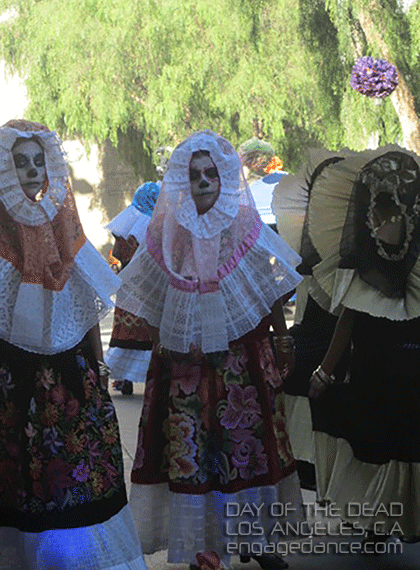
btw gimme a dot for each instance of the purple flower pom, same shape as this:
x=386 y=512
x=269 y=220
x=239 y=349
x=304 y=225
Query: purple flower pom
x=374 y=77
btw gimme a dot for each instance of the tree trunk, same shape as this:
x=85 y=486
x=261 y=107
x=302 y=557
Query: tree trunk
x=401 y=98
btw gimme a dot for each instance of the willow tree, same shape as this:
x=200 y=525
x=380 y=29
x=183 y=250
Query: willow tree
x=382 y=29
x=96 y=68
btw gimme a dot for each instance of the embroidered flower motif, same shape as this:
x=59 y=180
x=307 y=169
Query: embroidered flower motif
x=179 y=426
x=81 y=473
x=57 y=478
x=182 y=467
x=110 y=474
x=268 y=364
x=97 y=483
x=94 y=452
x=59 y=395
x=81 y=361
x=46 y=377
x=30 y=432
x=111 y=434
x=236 y=361
x=92 y=377
x=32 y=406
x=88 y=388
x=6 y=381
x=240 y=434
x=184 y=377
x=249 y=458
x=243 y=410
x=108 y=410
x=49 y=416
x=35 y=468
x=283 y=443
x=52 y=440
x=72 y=408
x=181 y=449
x=74 y=443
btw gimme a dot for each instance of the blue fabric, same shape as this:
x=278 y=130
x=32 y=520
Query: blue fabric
x=145 y=197
x=274 y=177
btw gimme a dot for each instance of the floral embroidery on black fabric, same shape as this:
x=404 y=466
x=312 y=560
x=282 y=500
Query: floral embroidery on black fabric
x=73 y=450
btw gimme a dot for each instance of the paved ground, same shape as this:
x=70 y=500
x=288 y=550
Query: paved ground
x=331 y=553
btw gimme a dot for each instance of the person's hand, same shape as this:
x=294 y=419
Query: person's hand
x=320 y=381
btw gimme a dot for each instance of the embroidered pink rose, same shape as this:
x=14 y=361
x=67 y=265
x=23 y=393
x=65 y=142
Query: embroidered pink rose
x=182 y=467
x=268 y=364
x=249 y=457
x=184 y=377
x=243 y=410
x=235 y=362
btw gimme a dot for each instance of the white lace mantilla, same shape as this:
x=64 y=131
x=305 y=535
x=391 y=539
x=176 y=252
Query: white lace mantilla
x=176 y=180
x=49 y=322
x=17 y=204
x=211 y=320
x=129 y=222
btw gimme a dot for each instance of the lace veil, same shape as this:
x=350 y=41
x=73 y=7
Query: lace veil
x=54 y=285
x=206 y=279
x=340 y=238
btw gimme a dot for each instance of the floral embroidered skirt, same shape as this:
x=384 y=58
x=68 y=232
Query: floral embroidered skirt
x=130 y=347
x=61 y=467
x=212 y=433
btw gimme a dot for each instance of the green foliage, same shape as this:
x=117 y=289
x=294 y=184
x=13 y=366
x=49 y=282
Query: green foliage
x=99 y=68
x=95 y=68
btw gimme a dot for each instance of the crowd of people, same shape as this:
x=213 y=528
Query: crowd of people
x=199 y=319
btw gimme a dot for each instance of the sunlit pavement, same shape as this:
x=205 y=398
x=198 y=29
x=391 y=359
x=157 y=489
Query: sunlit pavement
x=324 y=551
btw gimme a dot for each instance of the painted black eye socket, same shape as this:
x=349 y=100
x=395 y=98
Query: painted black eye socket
x=194 y=174
x=211 y=172
x=21 y=160
x=39 y=160
x=208 y=172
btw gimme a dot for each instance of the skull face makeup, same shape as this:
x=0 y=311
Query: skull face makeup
x=28 y=156
x=394 y=202
x=205 y=182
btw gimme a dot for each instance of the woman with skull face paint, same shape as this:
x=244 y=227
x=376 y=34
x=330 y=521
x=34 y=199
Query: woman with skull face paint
x=62 y=496
x=209 y=280
x=364 y=223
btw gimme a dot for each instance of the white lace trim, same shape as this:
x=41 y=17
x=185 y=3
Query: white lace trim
x=128 y=363
x=176 y=181
x=60 y=319
x=210 y=320
x=17 y=204
x=187 y=524
x=111 y=545
x=129 y=222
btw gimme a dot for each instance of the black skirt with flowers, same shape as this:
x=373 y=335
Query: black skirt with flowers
x=60 y=453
